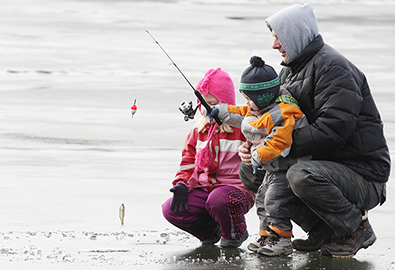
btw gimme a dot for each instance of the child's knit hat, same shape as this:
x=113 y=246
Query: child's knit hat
x=218 y=83
x=260 y=83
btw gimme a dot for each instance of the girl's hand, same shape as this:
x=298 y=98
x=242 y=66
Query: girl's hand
x=180 y=198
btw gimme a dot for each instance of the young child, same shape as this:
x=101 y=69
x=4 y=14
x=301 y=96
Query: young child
x=270 y=116
x=209 y=199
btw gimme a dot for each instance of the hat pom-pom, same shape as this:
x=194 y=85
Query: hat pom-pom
x=256 y=61
x=203 y=159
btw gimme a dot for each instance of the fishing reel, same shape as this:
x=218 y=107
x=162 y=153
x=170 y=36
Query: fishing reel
x=187 y=109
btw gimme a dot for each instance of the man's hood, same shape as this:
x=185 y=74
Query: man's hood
x=295 y=26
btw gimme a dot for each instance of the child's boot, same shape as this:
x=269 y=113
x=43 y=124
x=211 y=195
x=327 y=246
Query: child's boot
x=278 y=243
x=260 y=242
x=214 y=238
x=225 y=243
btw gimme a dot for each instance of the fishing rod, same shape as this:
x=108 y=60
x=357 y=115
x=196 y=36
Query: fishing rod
x=187 y=108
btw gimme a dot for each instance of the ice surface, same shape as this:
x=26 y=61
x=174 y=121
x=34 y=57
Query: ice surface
x=70 y=153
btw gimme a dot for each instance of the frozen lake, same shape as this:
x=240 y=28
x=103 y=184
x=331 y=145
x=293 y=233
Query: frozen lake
x=70 y=152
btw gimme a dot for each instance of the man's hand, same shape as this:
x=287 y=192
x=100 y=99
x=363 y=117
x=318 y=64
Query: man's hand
x=244 y=152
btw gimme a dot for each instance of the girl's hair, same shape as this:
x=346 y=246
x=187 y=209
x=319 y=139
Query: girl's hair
x=203 y=121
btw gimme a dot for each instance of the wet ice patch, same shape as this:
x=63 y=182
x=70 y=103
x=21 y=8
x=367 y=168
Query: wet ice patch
x=92 y=248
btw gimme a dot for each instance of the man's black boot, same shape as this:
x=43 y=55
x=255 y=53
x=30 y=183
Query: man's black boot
x=319 y=235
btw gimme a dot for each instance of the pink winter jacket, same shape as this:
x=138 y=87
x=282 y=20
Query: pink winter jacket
x=224 y=170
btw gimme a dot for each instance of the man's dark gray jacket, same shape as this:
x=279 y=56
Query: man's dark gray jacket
x=345 y=124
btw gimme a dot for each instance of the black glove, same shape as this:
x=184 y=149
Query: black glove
x=180 y=198
x=213 y=113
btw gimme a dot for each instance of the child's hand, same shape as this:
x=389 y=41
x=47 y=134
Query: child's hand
x=180 y=198
x=213 y=113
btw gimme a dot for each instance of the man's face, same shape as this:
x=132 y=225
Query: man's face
x=278 y=46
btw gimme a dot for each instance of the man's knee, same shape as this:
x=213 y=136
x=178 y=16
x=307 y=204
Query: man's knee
x=297 y=177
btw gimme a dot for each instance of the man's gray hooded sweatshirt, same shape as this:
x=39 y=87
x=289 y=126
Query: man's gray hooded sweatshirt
x=345 y=125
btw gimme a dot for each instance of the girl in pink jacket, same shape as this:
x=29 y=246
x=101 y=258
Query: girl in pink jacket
x=209 y=200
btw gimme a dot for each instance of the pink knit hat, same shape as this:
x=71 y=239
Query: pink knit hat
x=218 y=83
